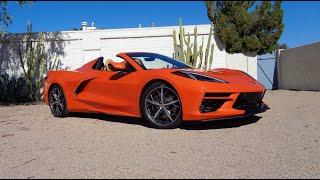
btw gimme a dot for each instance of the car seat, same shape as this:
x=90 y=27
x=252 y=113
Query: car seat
x=117 y=66
x=99 y=64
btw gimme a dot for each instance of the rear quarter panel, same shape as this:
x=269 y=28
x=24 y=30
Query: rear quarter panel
x=68 y=81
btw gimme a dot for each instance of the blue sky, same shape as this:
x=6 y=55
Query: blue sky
x=302 y=19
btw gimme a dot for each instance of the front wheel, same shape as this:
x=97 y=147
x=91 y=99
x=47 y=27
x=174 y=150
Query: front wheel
x=161 y=106
x=57 y=102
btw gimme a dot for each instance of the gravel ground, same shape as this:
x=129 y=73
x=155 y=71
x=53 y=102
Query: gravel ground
x=282 y=142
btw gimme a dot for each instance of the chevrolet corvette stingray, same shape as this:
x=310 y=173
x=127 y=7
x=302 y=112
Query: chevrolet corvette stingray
x=160 y=89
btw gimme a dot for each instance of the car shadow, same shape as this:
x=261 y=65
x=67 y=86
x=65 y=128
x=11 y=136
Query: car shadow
x=220 y=124
x=193 y=125
x=110 y=118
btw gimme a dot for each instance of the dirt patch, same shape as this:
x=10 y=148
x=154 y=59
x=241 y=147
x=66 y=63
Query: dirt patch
x=7 y=135
x=282 y=142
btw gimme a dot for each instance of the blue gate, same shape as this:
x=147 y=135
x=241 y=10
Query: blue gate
x=267 y=70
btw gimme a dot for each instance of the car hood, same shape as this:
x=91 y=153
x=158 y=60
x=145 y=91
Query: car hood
x=229 y=75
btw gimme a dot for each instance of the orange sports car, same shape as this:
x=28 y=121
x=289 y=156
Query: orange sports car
x=161 y=90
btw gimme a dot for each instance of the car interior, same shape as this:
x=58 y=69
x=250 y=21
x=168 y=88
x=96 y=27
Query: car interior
x=110 y=65
x=99 y=64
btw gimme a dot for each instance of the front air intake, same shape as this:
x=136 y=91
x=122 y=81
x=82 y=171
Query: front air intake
x=212 y=101
x=248 y=101
x=209 y=105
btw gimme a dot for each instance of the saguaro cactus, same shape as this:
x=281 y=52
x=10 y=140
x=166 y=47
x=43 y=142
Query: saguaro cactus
x=206 y=61
x=211 y=57
x=193 y=53
x=175 y=46
x=200 y=54
x=181 y=45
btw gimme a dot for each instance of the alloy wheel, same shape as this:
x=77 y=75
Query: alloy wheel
x=162 y=106
x=57 y=102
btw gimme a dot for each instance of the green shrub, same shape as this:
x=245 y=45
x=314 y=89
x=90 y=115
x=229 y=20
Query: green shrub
x=14 y=90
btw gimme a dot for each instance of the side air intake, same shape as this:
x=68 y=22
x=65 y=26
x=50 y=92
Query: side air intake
x=82 y=86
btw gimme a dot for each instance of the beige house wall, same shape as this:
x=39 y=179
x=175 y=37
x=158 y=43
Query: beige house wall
x=299 y=68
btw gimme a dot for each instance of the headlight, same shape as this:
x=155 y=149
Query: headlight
x=199 y=77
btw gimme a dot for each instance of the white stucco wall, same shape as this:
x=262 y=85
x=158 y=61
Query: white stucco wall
x=83 y=46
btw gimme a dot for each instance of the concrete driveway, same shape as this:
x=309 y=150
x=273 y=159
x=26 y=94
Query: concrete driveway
x=282 y=142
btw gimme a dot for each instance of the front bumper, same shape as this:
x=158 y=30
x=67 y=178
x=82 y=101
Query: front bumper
x=262 y=108
x=230 y=114
x=230 y=108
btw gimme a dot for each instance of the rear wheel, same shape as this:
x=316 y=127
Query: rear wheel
x=57 y=102
x=161 y=106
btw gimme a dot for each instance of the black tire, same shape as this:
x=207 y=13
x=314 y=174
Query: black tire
x=57 y=102
x=165 y=115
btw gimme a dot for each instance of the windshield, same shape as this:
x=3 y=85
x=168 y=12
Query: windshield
x=156 y=61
